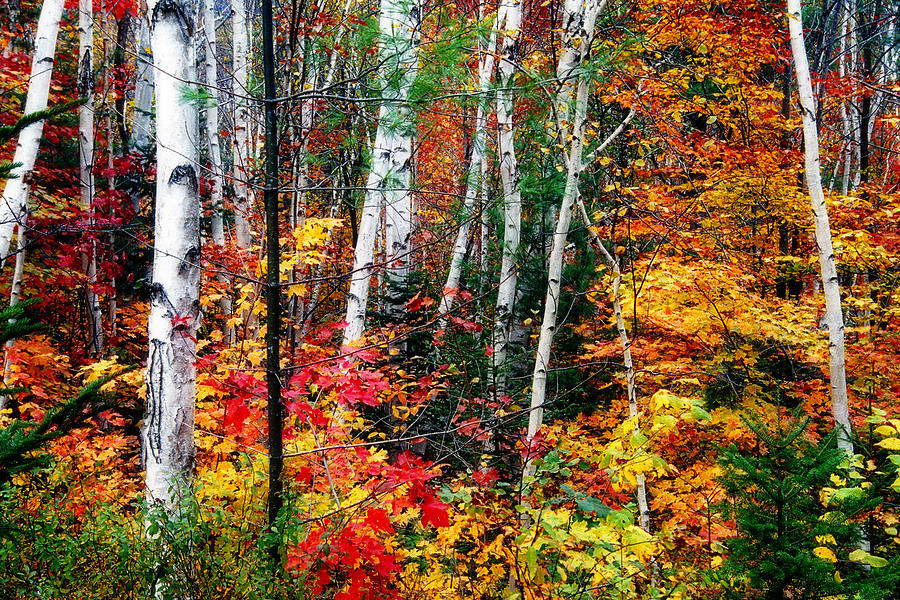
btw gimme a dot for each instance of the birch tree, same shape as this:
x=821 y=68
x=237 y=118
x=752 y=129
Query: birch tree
x=14 y=203
x=241 y=147
x=578 y=20
x=141 y=129
x=86 y=165
x=212 y=122
x=628 y=363
x=389 y=178
x=510 y=13
x=168 y=430
x=834 y=316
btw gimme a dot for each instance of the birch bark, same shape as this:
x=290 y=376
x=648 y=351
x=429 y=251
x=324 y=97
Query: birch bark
x=834 y=316
x=86 y=166
x=168 y=430
x=212 y=122
x=511 y=12
x=579 y=35
x=241 y=147
x=388 y=180
x=142 y=125
x=14 y=202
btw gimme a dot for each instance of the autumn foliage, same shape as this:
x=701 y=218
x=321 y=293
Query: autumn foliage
x=404 y=467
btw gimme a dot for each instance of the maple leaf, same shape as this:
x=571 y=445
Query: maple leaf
x=485 y=478
x=236 y=414
x=435 y=512
x=378 y=519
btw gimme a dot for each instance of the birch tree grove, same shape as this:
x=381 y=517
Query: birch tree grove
x=168 y=431
x=556 y=300
x=14 y=204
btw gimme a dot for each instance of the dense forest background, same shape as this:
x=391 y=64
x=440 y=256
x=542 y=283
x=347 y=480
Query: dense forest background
x=530 y=299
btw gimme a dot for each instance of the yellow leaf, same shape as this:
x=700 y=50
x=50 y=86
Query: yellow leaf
x=825 y=554
x=890 y=443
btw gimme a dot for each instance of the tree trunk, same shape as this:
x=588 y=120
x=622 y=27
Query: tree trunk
x=834 y=317
x=511 y=12
x=241 y=148
x=86 y=164
x=212 y=124
x=14 y=205
x=389 y=178
x=142 y=125
x=579 y=36
x=15 y=295
x=217 y=175
x=168 y=430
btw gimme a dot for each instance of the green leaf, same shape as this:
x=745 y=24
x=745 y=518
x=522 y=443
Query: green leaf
x=699 y=414
x=846 y=494
x=862 y=556
x=589 y=504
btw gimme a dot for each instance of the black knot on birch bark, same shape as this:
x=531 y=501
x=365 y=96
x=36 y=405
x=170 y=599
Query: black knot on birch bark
x=190 y=258
x=156 y=292
x=184 y=175
x=166 y=8
x=86 y=76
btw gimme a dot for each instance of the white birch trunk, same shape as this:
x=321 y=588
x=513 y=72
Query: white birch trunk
x=474 y=182
x=551 y=303
x=578 y=25
x=86 y=165
x=142 y=126
x=14 y=203
x=241 y=148
x=833 y=315
x=389 y=178
x=212 y=123
x=168 y=430
x=217 y=206
x=855 y=116
x=566 y=72
x=485 y=227
x=847 y=128
x=15 y=294
x=511 y=13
